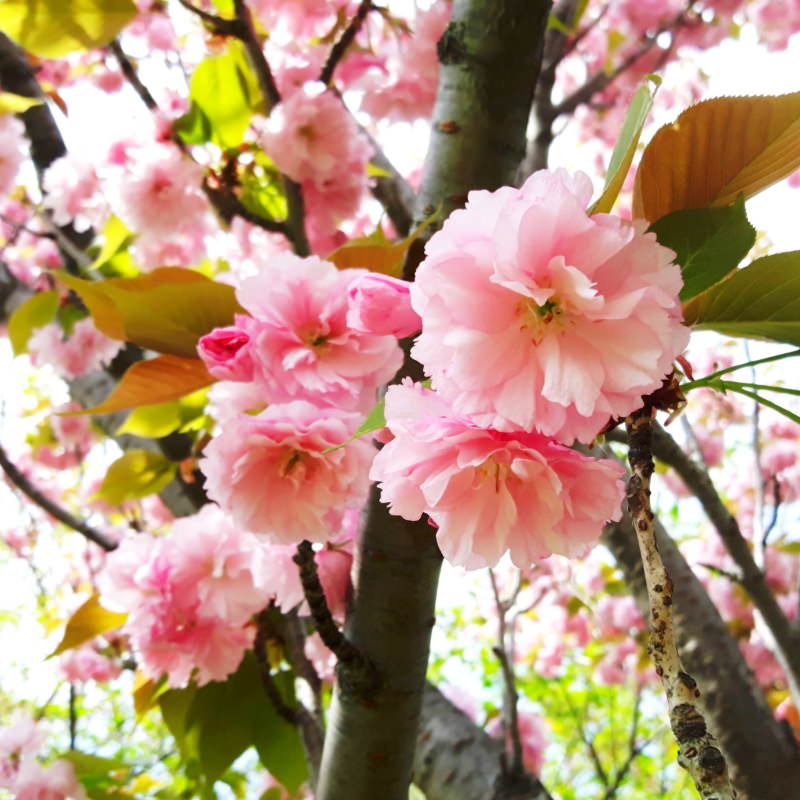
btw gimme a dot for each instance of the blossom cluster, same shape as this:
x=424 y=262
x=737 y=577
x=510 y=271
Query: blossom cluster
x=21 y=772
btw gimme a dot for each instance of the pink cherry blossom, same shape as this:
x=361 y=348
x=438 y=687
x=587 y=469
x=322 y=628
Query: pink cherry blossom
x=271 y=471
x=85 y=350
x=537 y=316
x=12 y=140
x=54 y=782
x=487 y=491
x=86 y=663
x=74 y=194
x=189 y=596
x=301 y=344
x=226 y=351
x=73 y=433
x=18 y=742
x=532 y=734
x=311 y=135
x=157 y=191
x=381 y=304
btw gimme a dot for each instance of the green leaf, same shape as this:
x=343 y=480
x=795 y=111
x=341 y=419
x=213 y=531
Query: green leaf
x=15 y=103
x=88 y=621
x=625 y=148
x=37 y=311
x=55 y=28
x=89 y=766
x=761 y=301
x=225 y=91
x=153 y=421
x=116 y=237
x=216 y=723
x=167 y=310
x=376 y=419
x=791 y=548
x=136 y=474
x=193 y=127
x=708 y=242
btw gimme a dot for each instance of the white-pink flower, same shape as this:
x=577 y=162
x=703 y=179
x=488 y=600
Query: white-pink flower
x=311 y=135
x=158 y=191
x=73 y=193
x=488 y=491
x=85 y=350
x=12 y=139
x=536 y=316
x=272 y=474
x=300 y=342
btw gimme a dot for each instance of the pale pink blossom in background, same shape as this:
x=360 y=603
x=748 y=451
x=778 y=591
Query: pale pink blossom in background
x=405 y=88
x=85 y=663
x=158 y=191
x=381 y=304
x=537 y=316
x=270 y=471
x=301 y=344
x=184 y=247
x=74 y=194
x=85 y=350
x=311 y=135
x=54 y=782
x=75 y=432
x=18 y=742
x=483 y=487
x=12 y=149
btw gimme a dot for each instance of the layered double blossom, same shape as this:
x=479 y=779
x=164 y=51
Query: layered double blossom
x=537 y=316
x=489 y=491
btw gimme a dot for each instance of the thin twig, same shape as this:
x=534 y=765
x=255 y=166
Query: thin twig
x=265 y=671
x=332 y=637
x=219 y=25
x=512 y=698
x=255 y=53
x=73 y=717
x=698 y=753
x=132 y=76
x=307 y=724
x=595 y=756
x=22 y=483
x=344 y=41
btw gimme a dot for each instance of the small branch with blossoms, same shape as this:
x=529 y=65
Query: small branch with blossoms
x=698 y=753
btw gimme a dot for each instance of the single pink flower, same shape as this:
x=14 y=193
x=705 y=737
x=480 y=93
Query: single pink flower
x=488 y=491
x=310 y=135
x=272 y=474
x=538 y=316
x=381 y=304
x=301 y=344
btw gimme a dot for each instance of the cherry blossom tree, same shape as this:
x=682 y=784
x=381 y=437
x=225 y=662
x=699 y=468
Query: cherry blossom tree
x=280 y=369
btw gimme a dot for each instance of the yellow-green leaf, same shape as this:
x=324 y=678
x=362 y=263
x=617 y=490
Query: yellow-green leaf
x=15 y=103
x=54 y=28
x=116 y=236
x=146 y=692
x=159 y=380
x=136 y=474
x=167 y=310
x=375 y=252
x=717 y=150
x=761 y=301
x=625 y=148
x=226 y=92
x=35 y=312
x=154 y=421
x=90 y=620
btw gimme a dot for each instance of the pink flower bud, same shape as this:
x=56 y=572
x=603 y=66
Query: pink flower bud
x=226 y=352
x=382 y=305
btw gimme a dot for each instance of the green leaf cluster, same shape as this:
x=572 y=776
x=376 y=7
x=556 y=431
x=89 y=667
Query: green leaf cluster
x=212 y=726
